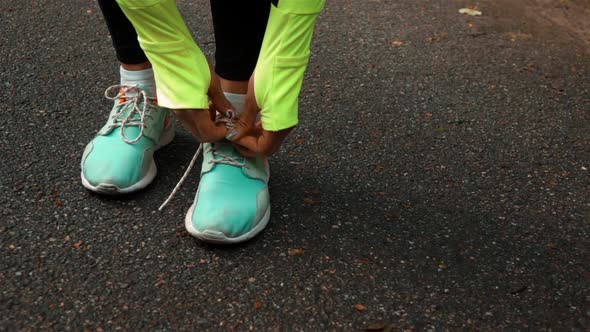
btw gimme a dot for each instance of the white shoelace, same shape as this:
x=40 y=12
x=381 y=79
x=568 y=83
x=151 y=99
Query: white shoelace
x=229 y=121
x=141 y=106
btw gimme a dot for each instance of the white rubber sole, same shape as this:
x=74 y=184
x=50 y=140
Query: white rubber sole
x=220 y=238
x=111 y=189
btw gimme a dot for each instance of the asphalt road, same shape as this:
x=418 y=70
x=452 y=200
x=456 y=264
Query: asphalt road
x=439 y=179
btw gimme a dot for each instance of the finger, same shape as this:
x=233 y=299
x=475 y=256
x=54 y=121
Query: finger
x=218 y=100
x=240 y=129
x=266 y=144
x=250 y=142
x=248 y=116
x=244 y=151
x=212 y=111
x=208 y=130
x=220 y=104
x=258 y=128
x=198 y=123
x=186 y=119
x=245 y=125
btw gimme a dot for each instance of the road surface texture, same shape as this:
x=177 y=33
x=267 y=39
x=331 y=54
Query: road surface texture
x=439 y=179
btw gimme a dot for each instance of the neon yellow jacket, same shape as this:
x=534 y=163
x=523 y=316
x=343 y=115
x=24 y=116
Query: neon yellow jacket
x=282 y=61
x=182 y=72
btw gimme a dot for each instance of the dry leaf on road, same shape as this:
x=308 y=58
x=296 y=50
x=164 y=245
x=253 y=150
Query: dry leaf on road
x=470 y=12
x=257 y=305
x=295 y=252
x=360 y=307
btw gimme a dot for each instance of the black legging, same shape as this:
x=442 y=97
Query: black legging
x=238 y=25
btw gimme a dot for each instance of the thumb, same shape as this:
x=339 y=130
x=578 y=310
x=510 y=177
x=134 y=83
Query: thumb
x=247 y=119
x=218 y=102
x=244 y=126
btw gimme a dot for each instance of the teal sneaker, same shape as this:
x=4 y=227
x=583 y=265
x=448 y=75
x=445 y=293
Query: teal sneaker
x=232 y=203
x=120 y=159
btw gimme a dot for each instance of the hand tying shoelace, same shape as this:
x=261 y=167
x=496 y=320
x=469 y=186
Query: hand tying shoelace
x=229 y=121
x=142 y=105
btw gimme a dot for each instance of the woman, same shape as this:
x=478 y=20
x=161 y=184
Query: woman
x=262 y=49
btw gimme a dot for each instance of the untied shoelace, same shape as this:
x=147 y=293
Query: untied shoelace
x=229 y=121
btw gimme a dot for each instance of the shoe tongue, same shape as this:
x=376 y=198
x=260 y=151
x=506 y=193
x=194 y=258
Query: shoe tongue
x=126 y=109
x=227 y=149
x=129 y=95
x=133 y=86
x=132 y=91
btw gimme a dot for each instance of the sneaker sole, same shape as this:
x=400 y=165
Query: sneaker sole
x=220 y=238
x=111 y=189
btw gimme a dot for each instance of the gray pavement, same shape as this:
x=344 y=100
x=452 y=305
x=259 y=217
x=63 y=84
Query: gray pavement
x=439 y=179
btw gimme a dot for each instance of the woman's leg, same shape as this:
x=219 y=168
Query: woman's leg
x=135 y=67
x=239 y=29
x=123 y=36
x=233 y=204
x=120 y=158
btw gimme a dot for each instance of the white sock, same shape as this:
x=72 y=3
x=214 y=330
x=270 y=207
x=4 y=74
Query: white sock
x=236 y=99
x=144 y=78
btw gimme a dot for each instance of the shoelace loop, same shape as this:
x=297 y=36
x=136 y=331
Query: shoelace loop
x=141 y=106
x=229 y=121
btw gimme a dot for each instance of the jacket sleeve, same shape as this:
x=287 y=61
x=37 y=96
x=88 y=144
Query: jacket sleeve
x=282 y=61
x=180 y=68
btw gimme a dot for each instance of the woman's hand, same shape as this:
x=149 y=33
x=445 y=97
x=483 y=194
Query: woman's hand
x=200 y=122
x=248 y=136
